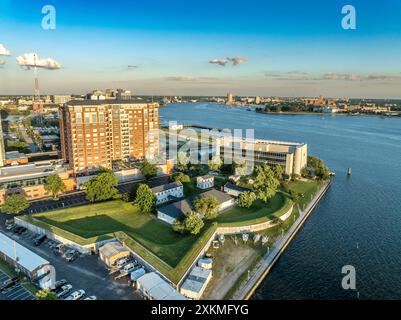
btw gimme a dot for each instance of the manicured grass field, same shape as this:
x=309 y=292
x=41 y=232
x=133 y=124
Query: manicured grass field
x=307 y=188
x=258 y=210
x=109 y=217
x=170 y=252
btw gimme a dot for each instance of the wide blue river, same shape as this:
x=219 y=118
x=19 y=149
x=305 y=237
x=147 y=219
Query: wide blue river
x=357 y=223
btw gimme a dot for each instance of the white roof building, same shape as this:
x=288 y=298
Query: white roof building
x=27 y=261
x=155 y=288
x=196 y=283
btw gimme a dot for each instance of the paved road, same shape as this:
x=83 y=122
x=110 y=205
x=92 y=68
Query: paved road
x=18 y=292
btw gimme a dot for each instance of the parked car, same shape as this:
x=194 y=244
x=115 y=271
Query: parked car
x=64 y=290
x=91 y=298
x=22 y=230
x=59 y=284
x=128 y=267
x=8 y=284
x=39 y=239
x=71 y=255
x=9 y=227
x=17 y=229
x=121 y=263
x=76 y=295
x=59 y=249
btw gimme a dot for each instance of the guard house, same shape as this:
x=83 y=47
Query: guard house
x=111 y=252
x=153 y=287
x=205 y=182
x=37 y=269
x=168 y=192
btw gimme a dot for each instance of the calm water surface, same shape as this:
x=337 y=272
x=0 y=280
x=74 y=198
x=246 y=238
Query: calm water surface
x=359 y=220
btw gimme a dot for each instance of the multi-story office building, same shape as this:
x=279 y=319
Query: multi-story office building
x=95 y=133
x=292 y=156
x=28 y=179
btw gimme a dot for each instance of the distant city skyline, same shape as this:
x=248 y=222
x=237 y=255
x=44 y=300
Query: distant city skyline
x=261 y=48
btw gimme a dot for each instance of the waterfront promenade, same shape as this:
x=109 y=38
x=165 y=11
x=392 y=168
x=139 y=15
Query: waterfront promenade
x=246 y=290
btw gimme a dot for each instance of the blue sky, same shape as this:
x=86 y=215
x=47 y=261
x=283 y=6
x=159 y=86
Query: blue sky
x=292 y=48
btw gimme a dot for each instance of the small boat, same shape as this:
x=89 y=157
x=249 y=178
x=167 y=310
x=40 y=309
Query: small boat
x=349 y=171
x=332 y=173
x=248 y=109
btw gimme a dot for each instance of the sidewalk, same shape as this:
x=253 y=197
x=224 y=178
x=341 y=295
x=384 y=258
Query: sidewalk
x=258 y=274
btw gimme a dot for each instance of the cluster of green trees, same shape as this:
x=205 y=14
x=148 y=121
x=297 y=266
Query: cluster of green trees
x=265 y=185
x=204 y=207
x=102 y=187
x=316 y=168
x=46 y=294
x=20 y=146
x=288 y=106
x=181 y=177
x=149 y=170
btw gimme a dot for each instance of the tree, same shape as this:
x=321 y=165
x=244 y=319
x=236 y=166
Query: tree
x=145 y=199
x=215 y=163
x=178 y=226
x=54 y=184
x=181 y=177
x=239 y=167
x=206 y=206
x=102 y=187
x=320 y=169
x=46 y=294
x=192 y=223
x=182 y=161
x=148 y=169
x=265 y=183
x=15 y=204
x=294 y=196
x=278 y=172
x=246 y=199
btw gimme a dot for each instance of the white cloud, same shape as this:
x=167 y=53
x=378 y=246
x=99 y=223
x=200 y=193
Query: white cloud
x=32 y=60
x=4 y=51
x=237 y=60
x=220 y=62
x=341 y=76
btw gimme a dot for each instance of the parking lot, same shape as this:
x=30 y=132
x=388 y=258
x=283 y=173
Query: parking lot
x=79 y=198
x=85 y=272
x=17 y=292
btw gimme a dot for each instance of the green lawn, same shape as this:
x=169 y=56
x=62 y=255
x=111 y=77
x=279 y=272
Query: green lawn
x=306 y=188
x=258 y=211
x=155 y=241
x=109 y=217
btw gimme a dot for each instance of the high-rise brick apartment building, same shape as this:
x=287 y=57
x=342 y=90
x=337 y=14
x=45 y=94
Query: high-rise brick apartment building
x=95 y=133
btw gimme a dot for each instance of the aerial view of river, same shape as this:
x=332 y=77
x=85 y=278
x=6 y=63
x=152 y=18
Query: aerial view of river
x=357 y=223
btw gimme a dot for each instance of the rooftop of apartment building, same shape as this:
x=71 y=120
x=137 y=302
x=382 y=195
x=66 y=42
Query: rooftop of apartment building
x=107 y=102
